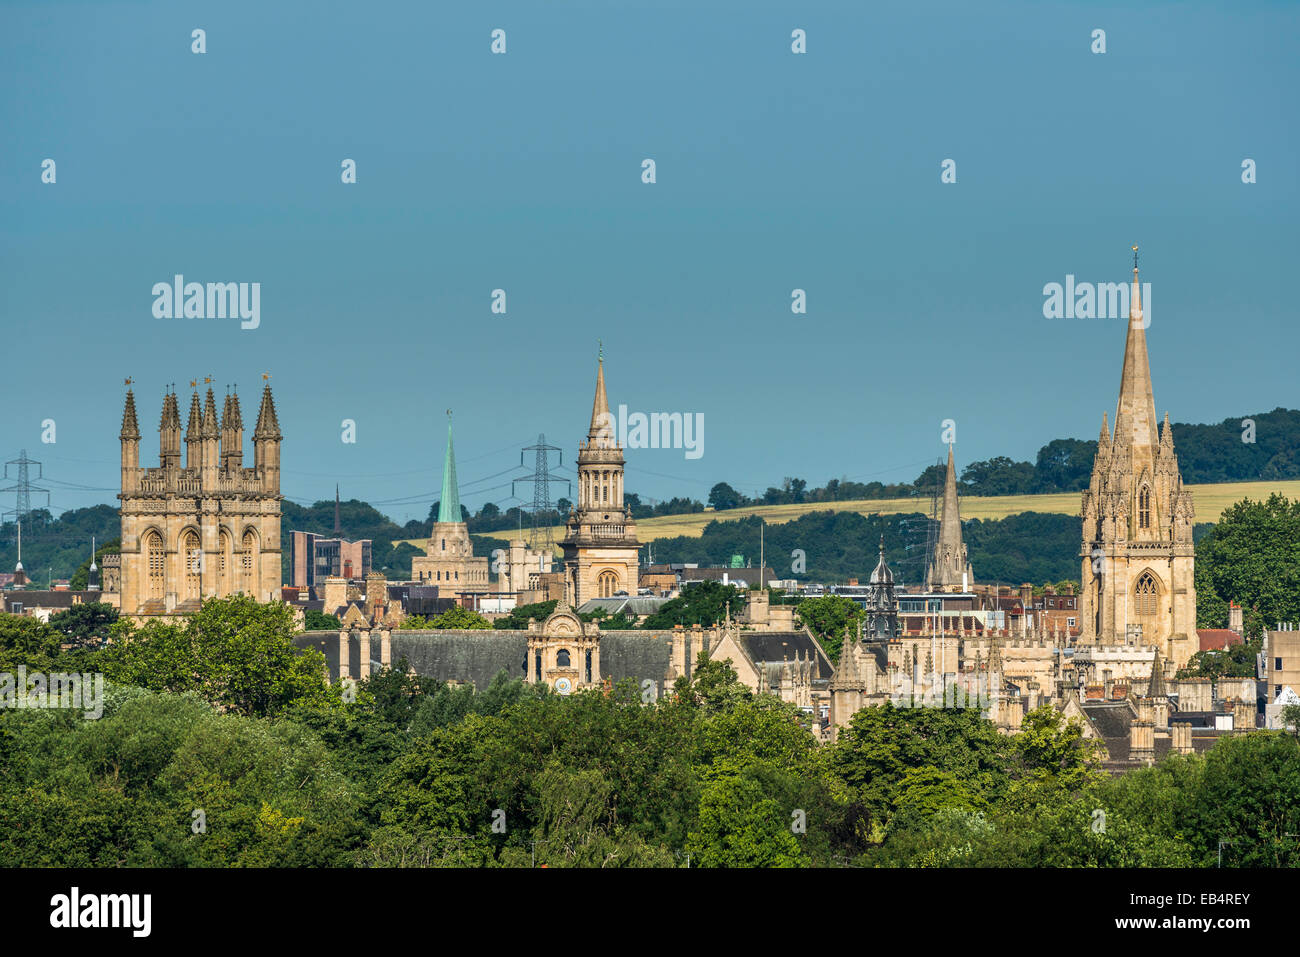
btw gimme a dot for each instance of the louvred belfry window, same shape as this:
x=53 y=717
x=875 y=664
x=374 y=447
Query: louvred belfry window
x=1145 y=594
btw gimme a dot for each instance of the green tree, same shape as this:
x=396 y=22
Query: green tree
x=235 y=652
x=827 y=617
x=88 y=624
x=1252 y=556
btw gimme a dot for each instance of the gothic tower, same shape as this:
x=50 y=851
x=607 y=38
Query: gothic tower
x=948 y=569
x=208 y=529
x=1137 y=550
x=449 y=560
x=600 y=544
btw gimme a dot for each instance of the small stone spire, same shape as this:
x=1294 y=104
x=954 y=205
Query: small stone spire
x=1156 y=687
x=268 y=425
x=948 y=562
x=130 y=426
x=194 y=427
x=601 y=432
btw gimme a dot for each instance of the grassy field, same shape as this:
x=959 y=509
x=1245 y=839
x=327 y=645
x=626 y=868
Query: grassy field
x=1210 y=501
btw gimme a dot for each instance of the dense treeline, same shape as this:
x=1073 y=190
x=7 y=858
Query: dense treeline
x=219 y=745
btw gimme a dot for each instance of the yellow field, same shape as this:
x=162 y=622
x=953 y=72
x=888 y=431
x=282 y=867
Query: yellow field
x=1210 y=501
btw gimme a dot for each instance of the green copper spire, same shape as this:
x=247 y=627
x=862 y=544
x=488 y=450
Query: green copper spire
x=449 y=509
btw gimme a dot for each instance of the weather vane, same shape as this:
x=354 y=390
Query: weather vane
x=128 y=380
x=1135 y=257
x=207 y=380
x=266 y=376
x=194 y=383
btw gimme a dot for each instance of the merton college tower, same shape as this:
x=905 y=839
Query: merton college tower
x=208 y=528
x=1137 y=555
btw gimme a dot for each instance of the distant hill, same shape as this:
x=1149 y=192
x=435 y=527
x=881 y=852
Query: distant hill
x=1209 y=500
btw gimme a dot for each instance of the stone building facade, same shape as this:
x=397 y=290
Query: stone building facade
x=209 y=528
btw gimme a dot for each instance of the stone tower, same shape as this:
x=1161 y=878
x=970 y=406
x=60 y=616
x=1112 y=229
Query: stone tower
x=1137 y=550
x=600 y=544
x=208 y=529
x=449 y=560
x=948 y=569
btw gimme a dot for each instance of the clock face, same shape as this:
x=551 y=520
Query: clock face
x=563 y=685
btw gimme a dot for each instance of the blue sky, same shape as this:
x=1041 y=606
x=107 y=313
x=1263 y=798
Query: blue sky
x=523 y=172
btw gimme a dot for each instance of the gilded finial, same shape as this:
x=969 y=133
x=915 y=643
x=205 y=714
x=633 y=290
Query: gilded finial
x=194 y=383
x=129 y=380
x=1135 y=259
x=207 y=380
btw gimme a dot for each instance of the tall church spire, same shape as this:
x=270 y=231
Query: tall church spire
x=449 y=509
x=1135 y=414
x=948 y=564
x=601 y=432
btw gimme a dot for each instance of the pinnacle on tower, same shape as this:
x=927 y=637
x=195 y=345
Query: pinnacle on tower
x=171 y=413
x=194 y=427
x=449 y=507
x=130 y=427
x=210 y=428
x=1156 y=687
x=268 y=426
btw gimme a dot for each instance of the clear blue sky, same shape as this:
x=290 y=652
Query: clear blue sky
x=522 y=171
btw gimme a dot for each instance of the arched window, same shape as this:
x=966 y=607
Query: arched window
x=249 y=563
x=606 y=584
x=193 y=557
x=1145 y=594
x=562 y=658
x=223 y=563
x=1144 y=507
x=157 y=565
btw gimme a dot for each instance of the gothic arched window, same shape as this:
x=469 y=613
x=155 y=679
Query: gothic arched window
x=157 y=563
x=1144 y=507
x=562 y=658
x=606 y=584
x=249 y=564
x=193 y=556
x=1145 y=594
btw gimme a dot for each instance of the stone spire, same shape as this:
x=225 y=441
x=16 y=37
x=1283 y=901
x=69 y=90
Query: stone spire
x=1156 y=687
x=1135 y=414
x=268 y=426
x=601 y=433
x=130 y=426
x=169 y=432
x=232 y=434
x=194 y=426
x=449 y=508
x=948 y=562
x=211 y=428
